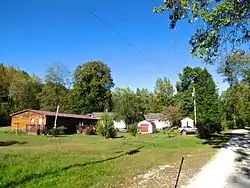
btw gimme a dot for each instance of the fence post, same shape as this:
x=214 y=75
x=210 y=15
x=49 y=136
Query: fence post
x=176 y=184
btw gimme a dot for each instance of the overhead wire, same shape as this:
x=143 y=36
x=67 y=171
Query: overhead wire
x=129 y=43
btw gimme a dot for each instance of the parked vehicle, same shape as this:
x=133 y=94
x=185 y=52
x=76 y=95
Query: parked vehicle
x=187 y=130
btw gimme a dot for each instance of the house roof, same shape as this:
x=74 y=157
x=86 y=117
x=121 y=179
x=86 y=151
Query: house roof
x=98 y=115
x=153 y=116
x=49 y=113
x=187 y=118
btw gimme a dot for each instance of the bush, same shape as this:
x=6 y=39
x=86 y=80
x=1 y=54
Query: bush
x=133 y=129
x=173 y=132
x=57 y=131
x=205 y=130
x=90 y=131
x=105 y=127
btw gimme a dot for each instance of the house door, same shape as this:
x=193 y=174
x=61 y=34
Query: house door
x=144 y=128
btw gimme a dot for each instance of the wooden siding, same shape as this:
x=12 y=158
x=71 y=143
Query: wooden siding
x=20 y=121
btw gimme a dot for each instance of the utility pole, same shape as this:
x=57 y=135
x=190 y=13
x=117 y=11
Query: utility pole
x=193 y=95
x=57 y=109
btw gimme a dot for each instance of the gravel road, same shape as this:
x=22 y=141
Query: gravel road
x=229 y=168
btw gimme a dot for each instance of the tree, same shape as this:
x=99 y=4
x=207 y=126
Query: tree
x=235 y=68
x=127 y=106
x=206 y=96
x=24 y=90
x=105 y=127
x=236 y=100
x=172 y=113
x=92 y=87
x=54 y=91
x=59 y=74
x=18 y=90
x=164 y=92
x=146 y=100
x=224 y=22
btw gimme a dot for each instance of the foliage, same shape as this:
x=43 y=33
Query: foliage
x=173 y=132
x=18 y=90
x=57 y=131
x=92 y=87
x=236 y=100
x=172 y=113
x=90 y=131
x=54 y=91
x=58 y=74
x=164 y=92
x=127 y=106
x=52 y=95
x=23 y=91
x=105 y=127
x=235 y=68
x=206 y=96
x=133 y=129
x=147 y=100
x=223 y=22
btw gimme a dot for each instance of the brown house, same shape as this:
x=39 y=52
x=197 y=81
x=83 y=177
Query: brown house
x=37 y=121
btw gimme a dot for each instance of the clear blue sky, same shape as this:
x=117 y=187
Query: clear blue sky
x=36 y=34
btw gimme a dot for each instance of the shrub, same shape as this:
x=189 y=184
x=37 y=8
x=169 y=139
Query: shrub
x=90 y=131
x=57 y=131
x=133 y=129
x=206 y=129
x=105 y=127
x=173 y=132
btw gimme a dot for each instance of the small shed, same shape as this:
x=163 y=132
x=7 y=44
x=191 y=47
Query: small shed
x=187 y=123
x=146 y=127
x=159 y=120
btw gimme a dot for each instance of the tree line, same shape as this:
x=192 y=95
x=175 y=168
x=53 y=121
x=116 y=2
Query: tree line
x=89 y=89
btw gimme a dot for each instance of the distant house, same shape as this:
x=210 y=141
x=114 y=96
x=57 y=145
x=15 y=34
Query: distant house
x=146 y=127
x=36 y=121
x=120 y=125
x=158 y=119
x=187 y=123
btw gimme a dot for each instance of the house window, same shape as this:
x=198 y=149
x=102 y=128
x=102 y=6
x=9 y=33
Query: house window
x=187 y=123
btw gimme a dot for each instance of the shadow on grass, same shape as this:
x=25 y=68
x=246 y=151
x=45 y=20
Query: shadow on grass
x=222 y=140
x=31 y=177
x=218 y=141
x=12 y=142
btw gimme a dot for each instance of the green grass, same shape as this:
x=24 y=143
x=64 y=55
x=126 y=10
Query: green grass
x=91 y=161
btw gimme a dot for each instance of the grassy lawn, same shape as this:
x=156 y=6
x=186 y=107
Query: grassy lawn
x=91 y=161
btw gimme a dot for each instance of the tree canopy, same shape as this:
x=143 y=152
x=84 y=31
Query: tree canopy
x=206 y=95
x=225 y=24
x=92 y=87
x=54 y=89
x=127 y=106
x=236 y=100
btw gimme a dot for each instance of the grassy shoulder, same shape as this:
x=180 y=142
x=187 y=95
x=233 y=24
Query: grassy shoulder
x=91 y=161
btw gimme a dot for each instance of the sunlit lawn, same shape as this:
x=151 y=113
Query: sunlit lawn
x=40 y=161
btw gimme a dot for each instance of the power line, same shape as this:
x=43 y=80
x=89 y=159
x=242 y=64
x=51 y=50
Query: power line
x=129 y=43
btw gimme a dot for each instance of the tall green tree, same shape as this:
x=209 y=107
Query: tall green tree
x=146 y=100
x=92 y=87
x=164 y=92
x=18 y=90
x=127 y=106
x=235 y=68
x=24 y=91
x=55 y=92
x=225 y=24
x=206 y=96
x=236 y=100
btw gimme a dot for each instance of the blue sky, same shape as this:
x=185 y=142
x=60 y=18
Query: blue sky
x=36 y=34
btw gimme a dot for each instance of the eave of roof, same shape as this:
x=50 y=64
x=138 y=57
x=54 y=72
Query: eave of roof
x=49 y=113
